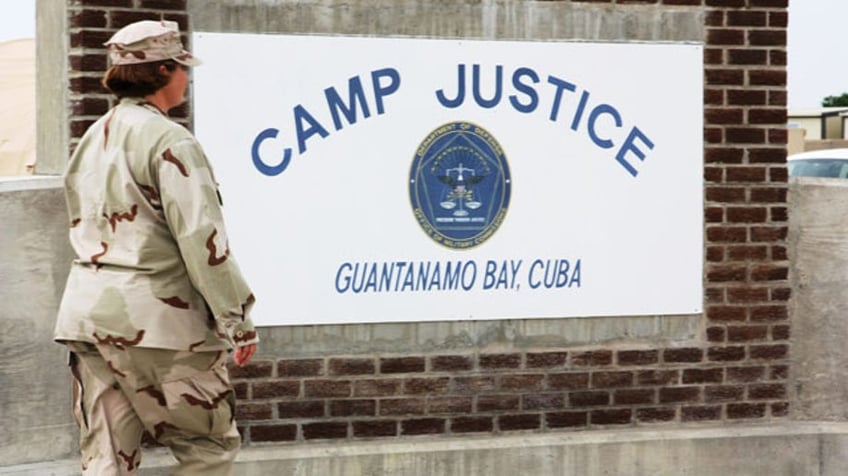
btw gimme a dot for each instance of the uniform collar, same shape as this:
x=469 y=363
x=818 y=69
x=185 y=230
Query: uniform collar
x=143 y=103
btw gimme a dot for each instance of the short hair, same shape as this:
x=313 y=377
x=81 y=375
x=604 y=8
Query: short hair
x=137 y=80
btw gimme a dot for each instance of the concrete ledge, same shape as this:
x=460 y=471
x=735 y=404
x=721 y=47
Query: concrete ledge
x=30 y=182
x=791 y=449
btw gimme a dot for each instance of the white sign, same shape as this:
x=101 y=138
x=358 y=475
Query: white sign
x=393 y=179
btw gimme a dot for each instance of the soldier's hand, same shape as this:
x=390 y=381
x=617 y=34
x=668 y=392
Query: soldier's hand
x=242 y=355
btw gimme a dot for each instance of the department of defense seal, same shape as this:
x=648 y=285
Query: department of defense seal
x=459 y=185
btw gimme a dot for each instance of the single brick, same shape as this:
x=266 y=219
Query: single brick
x=472 y=384
x=725 y=155
x=451 y=363
x=725 y=354
x=88 y=18
x=690 y=354
x=747 y=294
x=769 y=391
x=519 y=422
x=747 y=57
x=353 y=407
x=747 y=18
x=755 y=174
x=611 y=417
x=745 y=374
x=90 y=106
x=634 y=396
x=657 y=414
x=402 y=365
x=377 y=388
x=679 y=394
x=715 y=334
x=725 y=36
x=588 y=399
x=300 y=368
x=723 y=393
x=88 y=62
x=489 y=403
x=568 y=381
x=472 y=424
x=747 y=97
x=366 y=429
x=747 y=333
x=325 y=430
x=767 y=78
x=301 y=409
x=524 y=382
x=730 y=77
x=326 y=388
x=592 y=358
x=566 y=419
x=500 y=361
x=769 y=352
x=421 y=386
x=253 y=411
x=546 y=359
x=770 y=313
x=275 y=389
x=454 y=405
x=423 y=426
x=658 y=377
x=611 y=379
x=767 y=116
x=402 y=406
x=273 y=433
x=90 y=39
x=637 y=357
x=700 y=413
x=703 y=375
x=544 y=401
x=767 y=38
x=351 y=366
x=746 y=410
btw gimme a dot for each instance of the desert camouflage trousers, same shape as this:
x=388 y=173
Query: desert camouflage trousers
x=183 y=399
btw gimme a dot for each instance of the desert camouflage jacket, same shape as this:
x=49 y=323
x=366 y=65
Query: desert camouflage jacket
x=153 y=265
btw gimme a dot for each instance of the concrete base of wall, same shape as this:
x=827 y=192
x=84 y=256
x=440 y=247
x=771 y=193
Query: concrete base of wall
x=791 y=449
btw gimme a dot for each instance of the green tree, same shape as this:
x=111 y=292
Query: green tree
x=836 y=101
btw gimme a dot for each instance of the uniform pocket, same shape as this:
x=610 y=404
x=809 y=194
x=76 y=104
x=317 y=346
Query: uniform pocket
x=201 y=404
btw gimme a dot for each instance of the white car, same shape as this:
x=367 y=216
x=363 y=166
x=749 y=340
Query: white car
x=819 y=163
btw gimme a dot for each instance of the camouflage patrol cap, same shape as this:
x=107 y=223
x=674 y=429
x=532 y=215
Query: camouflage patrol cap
x=148 y=41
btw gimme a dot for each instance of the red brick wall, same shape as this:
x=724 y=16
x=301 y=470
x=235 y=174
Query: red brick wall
x=737 y=372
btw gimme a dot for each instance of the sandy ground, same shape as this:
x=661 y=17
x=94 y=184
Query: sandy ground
x=17 y=103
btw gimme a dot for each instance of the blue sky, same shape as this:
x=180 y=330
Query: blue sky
x=818 y=66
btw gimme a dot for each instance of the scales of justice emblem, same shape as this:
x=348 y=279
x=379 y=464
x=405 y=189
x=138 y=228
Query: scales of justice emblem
x=459 y=185
x=461 y=194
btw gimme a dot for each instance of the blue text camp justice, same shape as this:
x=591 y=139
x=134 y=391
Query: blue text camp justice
x=573 y=104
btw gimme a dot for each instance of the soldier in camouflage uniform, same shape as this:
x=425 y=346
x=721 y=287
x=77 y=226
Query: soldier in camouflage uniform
x=154 y=302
